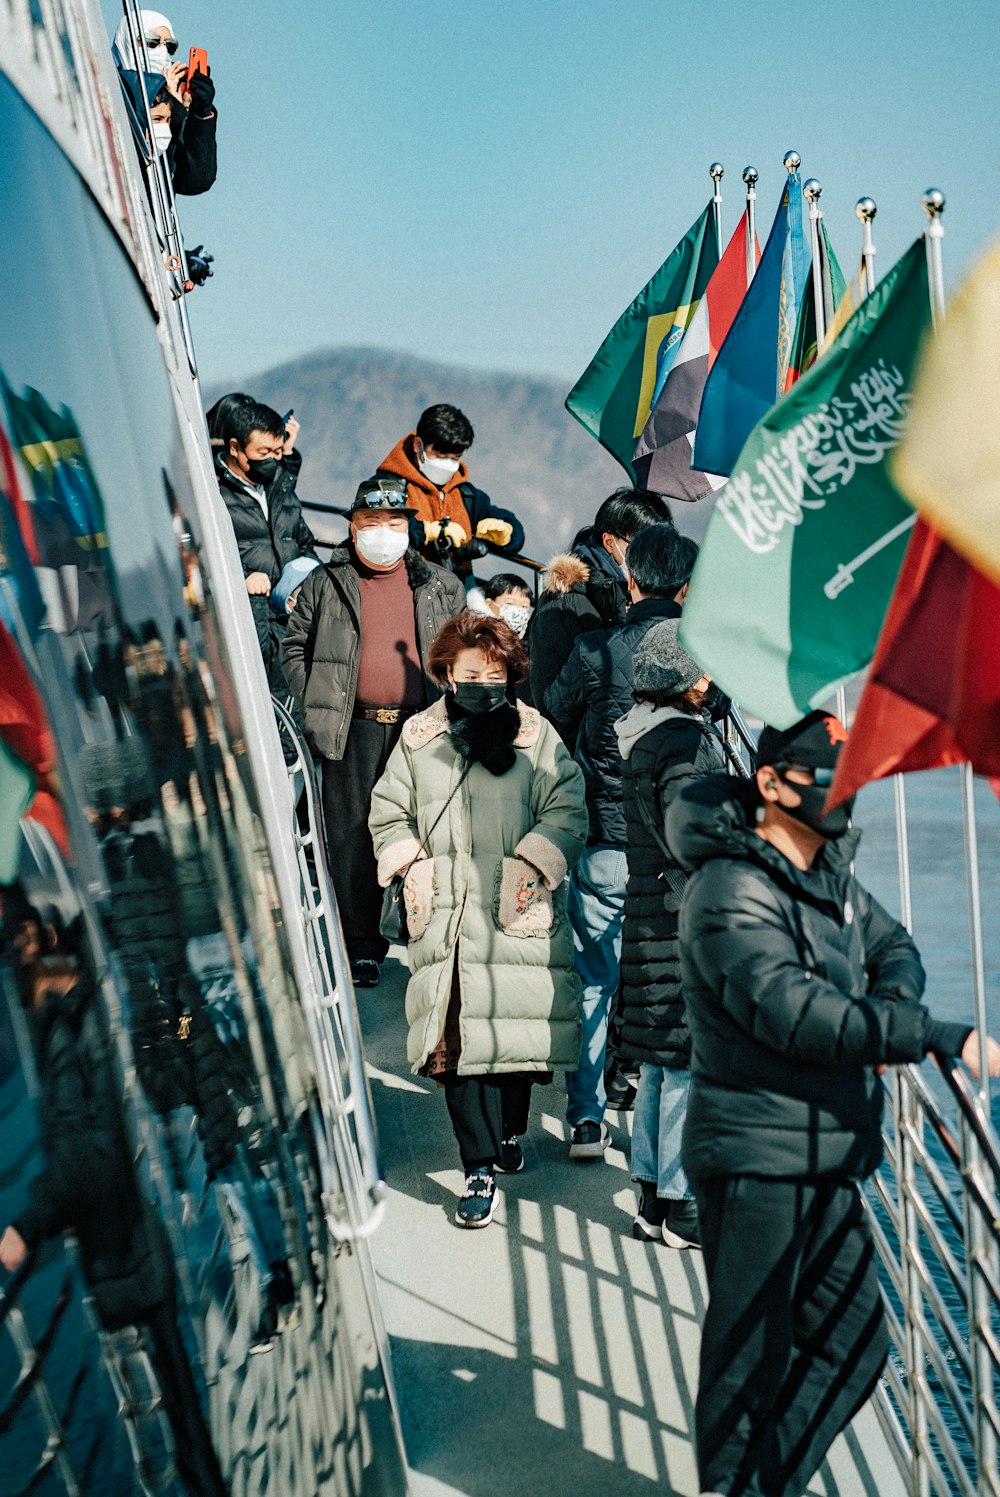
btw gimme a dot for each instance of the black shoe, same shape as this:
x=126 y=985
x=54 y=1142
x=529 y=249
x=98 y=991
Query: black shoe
x=479 y=1202
x=621 y=1092
x=648 y=1223
x=511 y=1161
x=680 y=1225
x=589 y=1141
x=365 y=972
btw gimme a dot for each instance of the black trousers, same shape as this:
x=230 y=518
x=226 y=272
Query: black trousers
x=347 y=796
x=485 y=1110
x=794 y=1338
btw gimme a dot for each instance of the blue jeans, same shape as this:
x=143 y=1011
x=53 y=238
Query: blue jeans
x=657 y=1125
x=595 y=905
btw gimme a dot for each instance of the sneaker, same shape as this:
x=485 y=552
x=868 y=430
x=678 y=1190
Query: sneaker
x=680 y=1225
x=365 y=972
x=648 y=1223
x=479 y=1202
x=511 y=1161
x=589 y=1141
x=621 y=1092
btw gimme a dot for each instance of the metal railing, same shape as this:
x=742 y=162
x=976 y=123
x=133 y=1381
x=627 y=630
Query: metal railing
x=353 y=1190
x=935 y=1216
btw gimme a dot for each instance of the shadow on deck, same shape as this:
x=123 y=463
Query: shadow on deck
x=551 y=1352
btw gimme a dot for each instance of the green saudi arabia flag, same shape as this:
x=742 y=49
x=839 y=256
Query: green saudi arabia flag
x=616 y=392
x=807 y=537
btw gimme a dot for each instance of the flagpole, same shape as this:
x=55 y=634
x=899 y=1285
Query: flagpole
x=865 y=211
x=791 y=161
x=717 y=171
x=934 y=203
x=750 y=178
x=812 y=192
x=933 y=234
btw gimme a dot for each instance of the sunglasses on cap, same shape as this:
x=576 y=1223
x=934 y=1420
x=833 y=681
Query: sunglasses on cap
x=171 y=44
x=384 y=495
x=822 y=775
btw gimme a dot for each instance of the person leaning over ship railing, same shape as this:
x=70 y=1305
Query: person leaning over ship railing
x=799 y=990
x=182 y=107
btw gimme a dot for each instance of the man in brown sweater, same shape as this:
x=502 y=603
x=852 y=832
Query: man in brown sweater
x=355 y=657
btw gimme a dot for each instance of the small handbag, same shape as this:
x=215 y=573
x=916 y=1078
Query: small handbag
x=392 y=923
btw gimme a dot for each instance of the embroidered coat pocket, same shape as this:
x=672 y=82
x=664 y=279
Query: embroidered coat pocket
x=418 y=896
x=522 y=904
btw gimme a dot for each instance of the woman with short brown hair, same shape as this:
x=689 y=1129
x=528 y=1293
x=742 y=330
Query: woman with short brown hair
x=483 y=805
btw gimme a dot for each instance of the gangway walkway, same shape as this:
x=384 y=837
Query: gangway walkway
x=549 y=1353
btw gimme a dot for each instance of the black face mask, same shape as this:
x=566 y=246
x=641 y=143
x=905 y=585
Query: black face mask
x=810 y=812
x=476 y=697
x=261 y=470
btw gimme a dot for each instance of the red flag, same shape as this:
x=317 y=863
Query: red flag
x=933 y=693
x=24 y=728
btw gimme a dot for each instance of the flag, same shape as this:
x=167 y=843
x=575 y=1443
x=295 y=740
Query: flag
x=933 y=694
x=949 y=465
x=803 y=354
x=17 y=787
x=21 y=605
x=851 y=298
x=67 y=522
x=615 y=393
x=806 y=540
x=29 y=754
x=749 y=374
x=662 y=458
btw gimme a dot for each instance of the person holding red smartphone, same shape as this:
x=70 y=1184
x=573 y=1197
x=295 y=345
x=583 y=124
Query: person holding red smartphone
x=186 y=99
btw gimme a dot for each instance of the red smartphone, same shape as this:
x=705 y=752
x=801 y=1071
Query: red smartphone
x=197 y=63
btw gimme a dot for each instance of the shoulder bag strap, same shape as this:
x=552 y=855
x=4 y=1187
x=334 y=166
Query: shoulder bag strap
x=437 y=818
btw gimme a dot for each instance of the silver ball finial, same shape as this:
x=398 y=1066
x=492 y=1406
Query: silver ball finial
x=791 y=162
x=812 y=190
x=716 y=171
x=750 y=176
x=865 y=210
x=933 y=201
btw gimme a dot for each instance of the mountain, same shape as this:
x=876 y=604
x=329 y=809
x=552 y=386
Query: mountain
x=529 y=454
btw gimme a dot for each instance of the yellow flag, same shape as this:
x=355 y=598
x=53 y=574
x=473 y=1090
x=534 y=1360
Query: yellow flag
x=948 y=464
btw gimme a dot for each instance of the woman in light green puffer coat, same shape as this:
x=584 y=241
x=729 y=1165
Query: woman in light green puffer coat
x=493 y=1002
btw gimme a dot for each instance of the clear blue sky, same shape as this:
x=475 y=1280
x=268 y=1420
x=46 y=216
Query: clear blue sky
x=491 y=183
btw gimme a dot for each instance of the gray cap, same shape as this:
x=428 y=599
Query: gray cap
x=661 y=664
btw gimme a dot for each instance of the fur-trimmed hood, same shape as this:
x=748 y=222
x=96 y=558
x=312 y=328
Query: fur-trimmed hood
x=566 y=571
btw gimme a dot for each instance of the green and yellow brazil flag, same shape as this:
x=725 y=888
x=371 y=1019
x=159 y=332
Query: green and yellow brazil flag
x=614 y=395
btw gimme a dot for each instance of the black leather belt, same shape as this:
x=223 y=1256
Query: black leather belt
x=388 y=715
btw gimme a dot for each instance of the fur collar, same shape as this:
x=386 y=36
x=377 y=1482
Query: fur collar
x=425 y=726
x=565 y=572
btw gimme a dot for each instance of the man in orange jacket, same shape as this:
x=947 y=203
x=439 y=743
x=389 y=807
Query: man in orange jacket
x=450 y=512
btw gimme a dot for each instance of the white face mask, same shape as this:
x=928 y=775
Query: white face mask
x=619 y=561
x=161 y=136
x=516 y=615
x=380 y=545
x=437 y=469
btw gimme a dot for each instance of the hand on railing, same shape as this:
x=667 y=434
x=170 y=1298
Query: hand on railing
x=970 y=1056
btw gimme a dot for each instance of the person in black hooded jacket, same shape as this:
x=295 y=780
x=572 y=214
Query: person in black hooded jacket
x=586 y=588
x=666 y=742
x=799 y=988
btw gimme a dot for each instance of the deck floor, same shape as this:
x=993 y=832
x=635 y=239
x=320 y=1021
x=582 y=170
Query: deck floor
x=550 y=1352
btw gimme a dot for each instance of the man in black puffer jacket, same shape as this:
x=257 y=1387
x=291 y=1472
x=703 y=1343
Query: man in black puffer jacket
x=585 y=589
x=593 y=690
x=799 y=987
x=257 y=484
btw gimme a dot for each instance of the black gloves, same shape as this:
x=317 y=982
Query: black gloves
x=202 y=95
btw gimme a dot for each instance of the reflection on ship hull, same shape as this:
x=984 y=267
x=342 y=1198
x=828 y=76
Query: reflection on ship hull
x=205 y=1296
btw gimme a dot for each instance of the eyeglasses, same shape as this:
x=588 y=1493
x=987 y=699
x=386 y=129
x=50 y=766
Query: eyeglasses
x=385 y=496
x=171 y=44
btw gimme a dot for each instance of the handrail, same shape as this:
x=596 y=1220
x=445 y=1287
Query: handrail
x=347 y=1137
